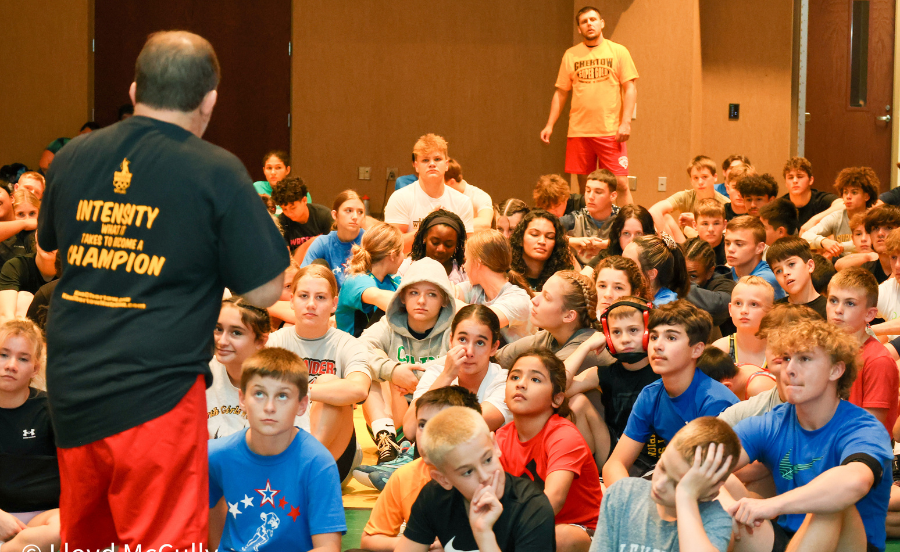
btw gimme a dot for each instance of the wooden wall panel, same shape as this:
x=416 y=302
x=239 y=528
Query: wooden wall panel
x=368 y=81
x=44 y=61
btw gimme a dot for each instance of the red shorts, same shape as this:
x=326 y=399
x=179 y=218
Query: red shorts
x=583 y=153
x=148 y=485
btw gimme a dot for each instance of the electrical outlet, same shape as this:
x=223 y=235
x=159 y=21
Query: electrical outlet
x=392 y=173
x=365 y=173
x=632 y=183
x=661 y=185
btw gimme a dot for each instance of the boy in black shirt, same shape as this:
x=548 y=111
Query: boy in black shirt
x=791 y=260
x=300 y=221
x=471 y=503
x=620 y=383
x=798 y=179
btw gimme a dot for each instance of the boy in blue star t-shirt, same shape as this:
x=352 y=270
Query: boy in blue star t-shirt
x=830 y=459
x=274 y=486
x=678 y=334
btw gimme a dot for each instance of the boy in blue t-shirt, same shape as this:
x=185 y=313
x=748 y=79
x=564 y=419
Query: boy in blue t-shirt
x=678 y=334
x=273 y=486
x=830 y=460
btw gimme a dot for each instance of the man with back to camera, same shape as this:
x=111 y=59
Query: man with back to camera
x=153 y=223
x=602 y=74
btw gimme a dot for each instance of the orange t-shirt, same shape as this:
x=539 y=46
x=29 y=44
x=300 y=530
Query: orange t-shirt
x=595 y=76
x=394 y=503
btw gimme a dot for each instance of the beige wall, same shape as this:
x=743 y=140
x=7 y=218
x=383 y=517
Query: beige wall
x=747 y=60
x=366 y=86
x=44 y=61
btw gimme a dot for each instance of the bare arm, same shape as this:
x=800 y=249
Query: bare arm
x=282 y=310
x=556 y=487
x=891 y=327
x=854 y=259
x=832 y=491
x=379 y=543
x=585 y=381
x=406 y=545
x=482 y=220
x=326 y=542
x=596 y=341
x=629 y=98
x=266 y=294
x=659 y=210
x=492 y=417
x=556 y=104
x=837 y=205
x=621 y=459
x=10 y=228
x=378 y=297
x=341 y=392
x=217 y=516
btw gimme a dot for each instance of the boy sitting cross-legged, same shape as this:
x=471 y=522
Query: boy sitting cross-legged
x=677 y=510
x=852 y=299
x=791 y=261
x=392 y=509
x=678 y=333
x=274 y=486
x=830 y=459
x=471 y=503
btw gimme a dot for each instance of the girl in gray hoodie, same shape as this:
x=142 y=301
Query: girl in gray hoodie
x=414 y=331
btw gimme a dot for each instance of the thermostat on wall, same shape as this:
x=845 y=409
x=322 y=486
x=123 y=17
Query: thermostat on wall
x=734 y=112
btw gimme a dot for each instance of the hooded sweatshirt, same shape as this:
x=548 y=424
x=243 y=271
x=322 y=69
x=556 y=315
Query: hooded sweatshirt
x=389 y=340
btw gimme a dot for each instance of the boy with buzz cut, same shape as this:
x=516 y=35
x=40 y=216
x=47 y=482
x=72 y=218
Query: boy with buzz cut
x=273 y=486
x=852 y=300
x=392 y=509
x=830 y=459
x=702 y=171
x=588 y=228
x=678 y=334
x=798 y=179
x=745 y=242
x=879 y=222
x=757 y=192
x=469 y=491
x=779 y=219
x=791 y=261
x=709 y=222
x=677 y=510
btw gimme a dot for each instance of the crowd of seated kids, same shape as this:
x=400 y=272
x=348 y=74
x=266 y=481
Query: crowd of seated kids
x=717 y=371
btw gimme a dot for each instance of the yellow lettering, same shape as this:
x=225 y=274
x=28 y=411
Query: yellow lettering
x=128 y=214
x=90 y=257
x=140 y=245
x=84 y=210
x=156 y=264
x=118 y=258
x=75 y=253
x=151 y=216
x=98 y=204
x=140 y=213
x=107 y=211
x=130 y=262
x=106 y=257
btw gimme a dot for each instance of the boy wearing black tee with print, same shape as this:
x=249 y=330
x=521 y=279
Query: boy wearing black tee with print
x=471 y=503
x=619 y=383
x=300 y=221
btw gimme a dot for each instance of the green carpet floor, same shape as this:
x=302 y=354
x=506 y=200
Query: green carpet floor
x=356 y=522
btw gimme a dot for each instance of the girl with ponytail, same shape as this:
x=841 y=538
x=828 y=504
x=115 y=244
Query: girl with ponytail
x=663 y=263
x=369 y=286
x=493 y=284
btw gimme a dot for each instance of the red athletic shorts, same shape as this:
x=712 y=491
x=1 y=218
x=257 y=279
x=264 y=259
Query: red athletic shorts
x=147 y=486
x=584 y=152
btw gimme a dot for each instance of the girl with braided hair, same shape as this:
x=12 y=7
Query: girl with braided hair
x=714 y=284
x=540 y=248
x=441 y=236
x=662 y=262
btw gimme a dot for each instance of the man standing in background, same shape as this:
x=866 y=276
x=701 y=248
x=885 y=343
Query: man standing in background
x=601 y=73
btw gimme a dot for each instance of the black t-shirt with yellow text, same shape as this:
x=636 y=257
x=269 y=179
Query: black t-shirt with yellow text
x=151 y=223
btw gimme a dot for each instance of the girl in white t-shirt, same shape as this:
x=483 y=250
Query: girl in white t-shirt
x=493 y=284
x=475 y=337
x=241 y=331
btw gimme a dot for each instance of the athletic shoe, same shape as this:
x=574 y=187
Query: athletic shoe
x=376 y=476
x=388 y=449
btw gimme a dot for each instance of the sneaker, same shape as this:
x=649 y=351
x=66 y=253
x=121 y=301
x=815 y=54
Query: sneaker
x=388 y=449
x=376 y=476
